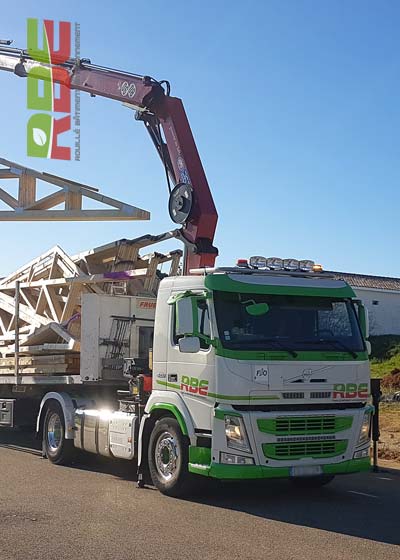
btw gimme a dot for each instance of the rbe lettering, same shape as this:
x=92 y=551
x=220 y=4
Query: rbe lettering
x=48 y=90
x=350 y=391
x=194 y=385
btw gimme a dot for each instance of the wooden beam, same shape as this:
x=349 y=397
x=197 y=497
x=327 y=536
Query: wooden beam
x=45 y=369
x=52 y=273
x=126 y=275
x=26 y=314
x=73 y=201
x=8 y=199
x=2 y=325
x=54 y=305
x=42 y=360
x=47 y=202
x=27 y=190
x=48 y=347
x=128 y=213
x=8 y=174
x=48 y=333
x=61 y=182
x=41 y=303
x=70 y=306
x=27 y=297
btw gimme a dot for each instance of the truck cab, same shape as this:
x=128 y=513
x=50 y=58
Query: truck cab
x=267 y=372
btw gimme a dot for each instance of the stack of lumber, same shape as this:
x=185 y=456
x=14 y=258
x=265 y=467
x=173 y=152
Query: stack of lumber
x=50 y=289
x=67 y=364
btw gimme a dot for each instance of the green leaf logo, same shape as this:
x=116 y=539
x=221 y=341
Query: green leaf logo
x=39 y=136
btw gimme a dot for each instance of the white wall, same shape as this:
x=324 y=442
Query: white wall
x=384 y=317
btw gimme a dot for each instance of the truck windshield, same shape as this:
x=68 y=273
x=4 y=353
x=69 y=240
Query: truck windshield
x=289 y=323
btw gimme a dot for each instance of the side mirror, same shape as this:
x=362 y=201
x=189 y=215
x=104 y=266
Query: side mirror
x=368 y=347
x=366 y=322
x=364 y=319
x=189 y=344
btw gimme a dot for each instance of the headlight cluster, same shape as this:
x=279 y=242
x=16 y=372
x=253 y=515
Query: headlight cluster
x=236 y=435
x=365 y=429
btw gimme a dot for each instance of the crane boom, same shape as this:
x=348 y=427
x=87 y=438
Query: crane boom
x=191 y=202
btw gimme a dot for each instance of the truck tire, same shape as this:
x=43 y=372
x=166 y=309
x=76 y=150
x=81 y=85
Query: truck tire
x=168 y=458
x=59 y=450
x=312 y=481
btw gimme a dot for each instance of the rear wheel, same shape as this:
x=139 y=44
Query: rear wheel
x=169 y=458
x=312 y=481
x=59 y=450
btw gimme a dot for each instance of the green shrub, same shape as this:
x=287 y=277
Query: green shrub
x=385 y=347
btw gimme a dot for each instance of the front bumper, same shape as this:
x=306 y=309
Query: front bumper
x=281 y=440
x=251 y=472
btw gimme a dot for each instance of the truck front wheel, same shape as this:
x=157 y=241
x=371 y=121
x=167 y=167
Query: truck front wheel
x=168 y=457
x=59 y=450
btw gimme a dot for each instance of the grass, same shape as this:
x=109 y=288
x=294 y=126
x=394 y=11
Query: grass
x=385 y=358
x=380 y=368
x=385 y=355
x=389 y=425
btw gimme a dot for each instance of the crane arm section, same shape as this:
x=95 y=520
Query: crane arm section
x=191 y=202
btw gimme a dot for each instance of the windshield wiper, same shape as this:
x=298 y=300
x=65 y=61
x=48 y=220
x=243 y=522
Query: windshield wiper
x=276 y=342
x=332 y=341
x=344 y=346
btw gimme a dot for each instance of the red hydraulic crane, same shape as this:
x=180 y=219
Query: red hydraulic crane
x=191 y=203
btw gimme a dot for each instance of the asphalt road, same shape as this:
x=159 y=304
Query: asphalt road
x=94 y=511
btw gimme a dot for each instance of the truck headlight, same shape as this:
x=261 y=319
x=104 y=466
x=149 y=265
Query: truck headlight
x=236 y=435
x=365 y=427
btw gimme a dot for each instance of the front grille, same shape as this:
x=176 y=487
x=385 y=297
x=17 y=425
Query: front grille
x=320 y=394
x=298 y=450
x=293 y=395
x=295 y=425
x=297 y=407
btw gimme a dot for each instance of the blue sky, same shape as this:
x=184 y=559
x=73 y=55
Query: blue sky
x=294 y=105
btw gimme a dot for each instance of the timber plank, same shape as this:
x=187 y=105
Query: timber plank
x=56 y=368
x=41 y=360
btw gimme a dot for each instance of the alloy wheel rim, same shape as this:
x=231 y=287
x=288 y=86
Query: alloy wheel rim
x=167 y=456
x=54 y=432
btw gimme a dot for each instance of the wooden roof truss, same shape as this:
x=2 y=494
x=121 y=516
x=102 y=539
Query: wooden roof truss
x=66 y=203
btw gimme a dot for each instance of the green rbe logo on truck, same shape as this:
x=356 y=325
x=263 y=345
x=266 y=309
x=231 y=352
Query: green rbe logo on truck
x=194 y=386
x=350 y=391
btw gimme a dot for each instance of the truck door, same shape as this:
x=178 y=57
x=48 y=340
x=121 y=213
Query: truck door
x=191 y=374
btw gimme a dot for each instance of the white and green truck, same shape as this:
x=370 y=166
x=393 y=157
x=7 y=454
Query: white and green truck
x=255 y=372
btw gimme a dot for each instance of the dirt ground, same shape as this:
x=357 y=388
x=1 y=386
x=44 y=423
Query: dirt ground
x=389 y=442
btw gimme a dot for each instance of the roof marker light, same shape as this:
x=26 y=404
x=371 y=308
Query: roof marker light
x=306 y=265
x=291 y=264
x=275 y=263
x=258 y=262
